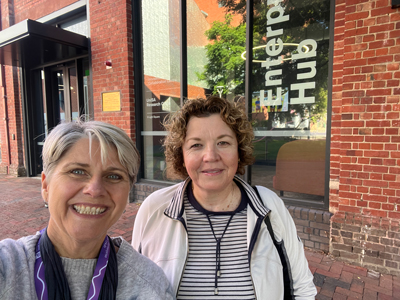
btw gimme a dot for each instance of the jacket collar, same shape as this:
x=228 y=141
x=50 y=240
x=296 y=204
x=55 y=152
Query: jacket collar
x=175 y=208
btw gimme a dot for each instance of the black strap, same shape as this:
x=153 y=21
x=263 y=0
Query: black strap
x=287 y=274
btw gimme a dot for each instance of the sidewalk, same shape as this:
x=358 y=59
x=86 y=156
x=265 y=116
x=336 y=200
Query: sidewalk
x=23 y=213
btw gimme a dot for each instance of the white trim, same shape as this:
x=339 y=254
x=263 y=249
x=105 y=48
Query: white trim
x=286 y=133
x=292 y=133
x=153 y=133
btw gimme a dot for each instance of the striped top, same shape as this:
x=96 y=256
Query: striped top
x=198 y=279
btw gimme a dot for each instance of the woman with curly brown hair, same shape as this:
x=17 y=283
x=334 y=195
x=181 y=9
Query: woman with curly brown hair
x=215 y=236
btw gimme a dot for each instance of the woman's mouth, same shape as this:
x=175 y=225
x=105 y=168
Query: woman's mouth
x=214 y=171
x=87 y=210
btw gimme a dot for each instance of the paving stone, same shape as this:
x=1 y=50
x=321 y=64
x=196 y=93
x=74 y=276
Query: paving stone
x=319 y=279
x=370 y=295
x=338 y=283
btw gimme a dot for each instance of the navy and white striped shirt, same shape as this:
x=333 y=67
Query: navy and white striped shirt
x=198 y=278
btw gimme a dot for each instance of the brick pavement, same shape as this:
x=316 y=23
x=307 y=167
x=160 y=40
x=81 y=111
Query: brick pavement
x=23 y=213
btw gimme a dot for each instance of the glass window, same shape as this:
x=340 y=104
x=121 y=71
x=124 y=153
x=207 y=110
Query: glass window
x=289 y=97
x=216 y=39
x=289 y=80
x=161 y=64
x=208 y=72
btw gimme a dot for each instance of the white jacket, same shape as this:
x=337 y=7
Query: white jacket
x=160 y=234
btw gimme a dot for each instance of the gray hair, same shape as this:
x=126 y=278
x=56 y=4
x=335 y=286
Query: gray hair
x=66 y=134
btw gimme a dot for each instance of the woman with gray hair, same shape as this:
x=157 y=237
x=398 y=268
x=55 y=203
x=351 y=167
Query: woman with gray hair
x=88 y=171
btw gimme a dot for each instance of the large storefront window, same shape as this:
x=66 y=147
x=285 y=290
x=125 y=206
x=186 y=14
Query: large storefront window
x=161 y=63
x=206 y=24
x=289 y=81
x=290 y=96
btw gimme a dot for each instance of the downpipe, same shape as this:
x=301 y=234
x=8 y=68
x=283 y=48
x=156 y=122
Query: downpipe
x=6 y=125
x=3 y=90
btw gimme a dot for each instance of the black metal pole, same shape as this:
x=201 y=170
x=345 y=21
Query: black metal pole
x=183 y=48
x=249 y=69
x=138 y=75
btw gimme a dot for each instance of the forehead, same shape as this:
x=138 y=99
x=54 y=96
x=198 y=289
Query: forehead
x=86 y=150
x=211 y=125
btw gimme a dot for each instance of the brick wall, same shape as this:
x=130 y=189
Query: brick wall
x=12 y=127
x=28 y=9
x=15 y=122
x=364 y=176
x=111 y=39
x=312 y=225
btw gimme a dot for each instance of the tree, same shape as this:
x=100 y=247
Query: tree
x=225 y=66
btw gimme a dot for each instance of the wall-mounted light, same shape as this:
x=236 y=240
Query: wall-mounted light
x=395 y=3
x=108 y=64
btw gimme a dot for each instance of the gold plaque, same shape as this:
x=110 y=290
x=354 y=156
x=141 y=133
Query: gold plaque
x=111 y=101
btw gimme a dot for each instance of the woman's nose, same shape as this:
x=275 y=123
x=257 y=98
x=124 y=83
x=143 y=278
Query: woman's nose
x=94 y=187
x=211 y=153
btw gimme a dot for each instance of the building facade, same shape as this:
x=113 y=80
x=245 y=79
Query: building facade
x=318 y=78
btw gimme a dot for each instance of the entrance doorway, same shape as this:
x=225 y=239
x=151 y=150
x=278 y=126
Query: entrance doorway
x=64 y=88
x=59 y=93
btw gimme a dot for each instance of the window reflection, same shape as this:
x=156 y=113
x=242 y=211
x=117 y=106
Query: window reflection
x=206 y=22
x=290 y=93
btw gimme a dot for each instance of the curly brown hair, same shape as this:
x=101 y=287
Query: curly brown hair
x=176 y=123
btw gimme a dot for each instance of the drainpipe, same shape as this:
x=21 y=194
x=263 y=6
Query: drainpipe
x=7 y=130
x=4 y=93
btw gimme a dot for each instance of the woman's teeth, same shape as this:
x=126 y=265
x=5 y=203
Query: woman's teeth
x=86 y=210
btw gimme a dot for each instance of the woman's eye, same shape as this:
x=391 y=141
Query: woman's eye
x=195 y=146
x=223 y=143
x=78 y=172
x=114 y=177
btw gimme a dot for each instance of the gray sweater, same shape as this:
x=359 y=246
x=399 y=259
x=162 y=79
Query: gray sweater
x=138 y=277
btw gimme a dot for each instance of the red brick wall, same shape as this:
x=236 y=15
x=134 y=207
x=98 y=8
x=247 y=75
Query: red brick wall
x=365 y=164
x=28 y=9
x=111 y=39
x=12 y=127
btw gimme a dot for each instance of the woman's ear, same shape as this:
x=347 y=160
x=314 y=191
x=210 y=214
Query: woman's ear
x=45 y=186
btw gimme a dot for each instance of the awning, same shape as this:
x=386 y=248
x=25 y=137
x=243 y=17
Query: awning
x=31 y=43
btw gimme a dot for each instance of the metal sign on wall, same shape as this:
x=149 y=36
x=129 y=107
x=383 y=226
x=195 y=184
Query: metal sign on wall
x=111 y=101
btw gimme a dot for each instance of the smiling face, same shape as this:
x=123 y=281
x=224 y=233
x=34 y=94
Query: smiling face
x=210 y=153
x=85 y=197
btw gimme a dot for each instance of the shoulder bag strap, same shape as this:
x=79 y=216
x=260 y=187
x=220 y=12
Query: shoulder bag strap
x=287 y=278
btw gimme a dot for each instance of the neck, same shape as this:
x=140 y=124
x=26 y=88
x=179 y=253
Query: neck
x=70 y=248
x=226 y=200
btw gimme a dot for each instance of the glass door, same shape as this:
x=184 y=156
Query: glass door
x=64 y=89
x=56 y=98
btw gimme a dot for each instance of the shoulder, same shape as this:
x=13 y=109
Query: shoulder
x=138 y=275
x=270 y=199
x=159 y=199
x=24 y=248
x=17 y=261
x=281 y=220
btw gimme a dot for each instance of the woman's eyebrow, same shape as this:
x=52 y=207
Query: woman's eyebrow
x=112 y=168
x=225 y=135
x=83 y=165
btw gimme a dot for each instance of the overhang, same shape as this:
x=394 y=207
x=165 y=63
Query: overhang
x=31 y=43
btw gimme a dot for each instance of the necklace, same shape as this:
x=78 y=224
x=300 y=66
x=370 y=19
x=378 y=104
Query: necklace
x=231 y=194
x=218 y=251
